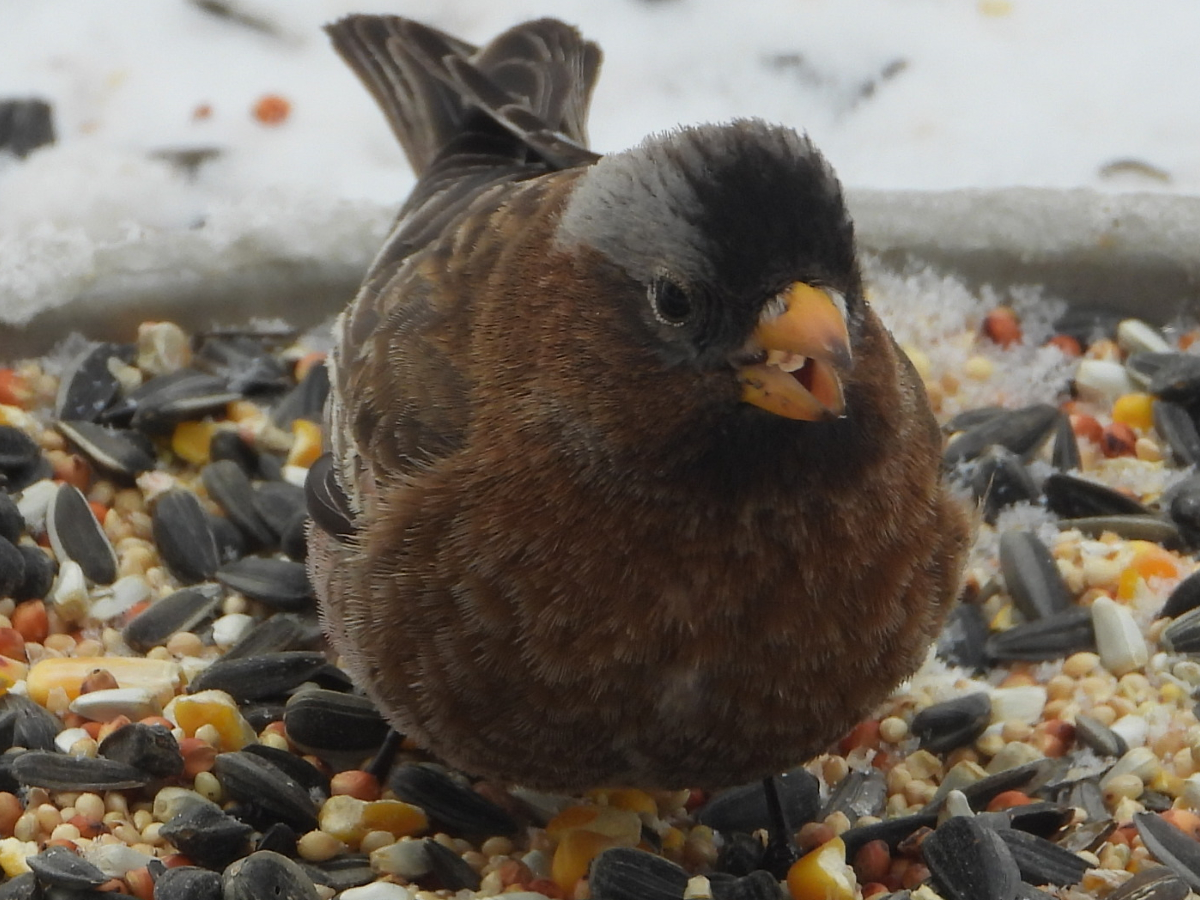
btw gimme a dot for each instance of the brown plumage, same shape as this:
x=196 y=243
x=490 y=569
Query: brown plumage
x=627 y=484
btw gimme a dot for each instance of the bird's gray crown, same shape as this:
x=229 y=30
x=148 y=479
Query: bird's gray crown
x=644 y=208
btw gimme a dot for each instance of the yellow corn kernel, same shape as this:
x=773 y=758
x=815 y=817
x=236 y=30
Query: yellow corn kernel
x=1135 y=410
x=396 y=817
x=216 y=708
x=350 y=820
x=1150 y=560
x=633 y=800
x=12 y=856
x=622 y=825
x=242 y=411
x=574 y=854
x=1127 y=584
x=11 y=671
x=190 y=441
x=822 y=874
x=159 y=677
x=307 y=444
x=672 y=839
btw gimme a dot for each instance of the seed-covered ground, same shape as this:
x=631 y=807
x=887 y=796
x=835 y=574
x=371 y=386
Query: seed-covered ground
x=174 y=727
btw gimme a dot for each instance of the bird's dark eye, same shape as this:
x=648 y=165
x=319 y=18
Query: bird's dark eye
x=671 y=305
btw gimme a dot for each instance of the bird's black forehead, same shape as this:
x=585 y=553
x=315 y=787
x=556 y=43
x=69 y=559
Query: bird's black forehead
x=734 y=205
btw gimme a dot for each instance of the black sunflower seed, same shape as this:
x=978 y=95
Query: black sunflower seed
x=758 y=885
x=1032 y=577
x=188 y=883
x=12 y=523
x=22 y=887
x=1027 y=778
x=259 y=677
x=231 y=543
x=39 y=573
x=1041 y=862
x=180 y=611
x=279 y=583
x=150 y=748
x=863 y=792
x=740 y=854
x=271 y=794
x=1142 y=367
x=1170 y=846
x=183 y=536
x=306 y=400
x=12 y=569
x=1074 y=498
x=76 y=534
x=293 y=541
x=228 y=445
x=208 y=836
x=961 y=642
x=1022 y=431
x=1064 y=455
x=451 y=807
x=281 y=631
x=332 y=722
x=1041 y=818
x=1152 y=883
x=745 y=808
x=229 y=486
x=999 y=479
x=970 y=862
x=277 y=504
x=622 y=873
x=1184 y=598
x=24 y=723
x=1177 y=379
x=1050 y=638
x=164 y=401
x=1182 y=504
x=342 y=872
x=1175 y=425
x=244 y=364
x=891 y=831
x=1183 y=634
x=296 y=768
x=60 y=772
x=954 y=723
x=1093 y=733
x=116 y=451
x=18 y=450
x=59 y=867
x=88 y=386
x=1131 y=528
x=451 y=870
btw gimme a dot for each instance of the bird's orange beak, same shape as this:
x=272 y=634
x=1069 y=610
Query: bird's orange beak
x=804 y=332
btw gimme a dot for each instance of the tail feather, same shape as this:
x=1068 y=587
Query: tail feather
x=533 y=83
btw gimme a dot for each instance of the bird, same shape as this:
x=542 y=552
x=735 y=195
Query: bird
x=626 y=484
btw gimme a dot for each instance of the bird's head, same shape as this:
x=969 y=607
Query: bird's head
x=738 y=256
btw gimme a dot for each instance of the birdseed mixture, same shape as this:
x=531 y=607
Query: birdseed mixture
x=174 y=729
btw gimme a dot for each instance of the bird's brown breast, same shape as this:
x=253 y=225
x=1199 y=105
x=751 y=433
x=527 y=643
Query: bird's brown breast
x=587 y=586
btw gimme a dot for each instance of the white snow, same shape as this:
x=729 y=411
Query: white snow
x=900 y=94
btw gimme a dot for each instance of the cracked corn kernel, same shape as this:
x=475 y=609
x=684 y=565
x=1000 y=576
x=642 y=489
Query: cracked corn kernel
x=1134 y=410
x=158 y=677
x=192 y=712
x=307 y=444
x=822 y=874
x=573 y=855
x=349 y=820
x=190 y=441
